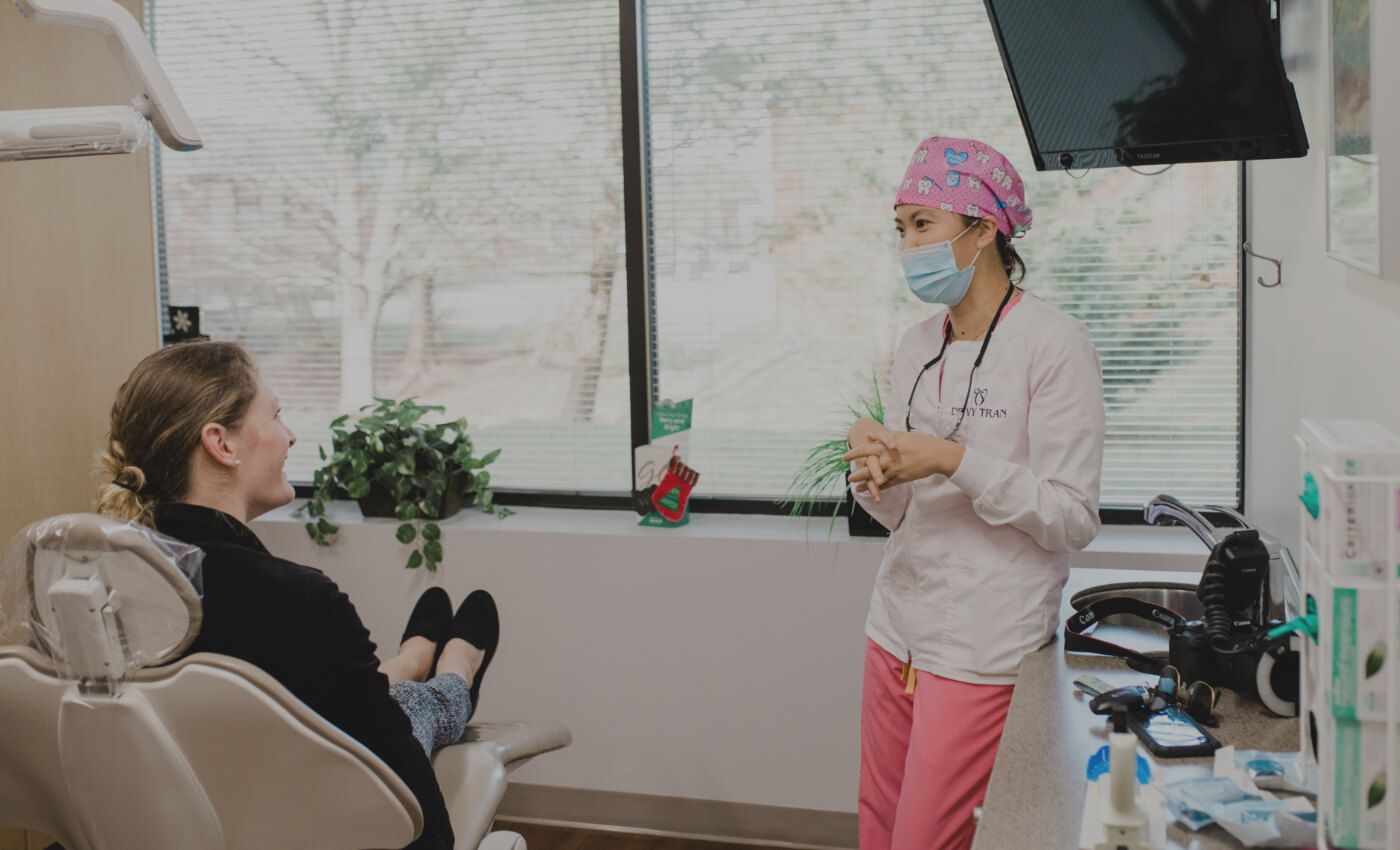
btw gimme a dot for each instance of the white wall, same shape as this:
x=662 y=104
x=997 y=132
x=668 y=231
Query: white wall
x=721 y=661
x=1326 y=343
x=722 y=668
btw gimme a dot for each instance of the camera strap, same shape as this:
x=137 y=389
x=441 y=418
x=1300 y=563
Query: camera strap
x=1082 y=622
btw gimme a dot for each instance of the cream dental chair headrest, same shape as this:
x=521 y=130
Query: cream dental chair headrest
x=101 y=598
x=104 y=752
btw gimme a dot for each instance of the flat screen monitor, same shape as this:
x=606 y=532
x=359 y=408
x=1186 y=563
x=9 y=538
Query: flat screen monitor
x=1139 y=82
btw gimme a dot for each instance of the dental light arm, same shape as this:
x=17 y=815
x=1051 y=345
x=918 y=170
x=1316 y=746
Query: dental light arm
x=43 y=133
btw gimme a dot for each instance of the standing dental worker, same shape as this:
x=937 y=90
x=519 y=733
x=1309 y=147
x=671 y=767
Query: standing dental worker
x=987 y=475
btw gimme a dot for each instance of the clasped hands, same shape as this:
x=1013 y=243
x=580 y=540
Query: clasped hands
x=888 y=458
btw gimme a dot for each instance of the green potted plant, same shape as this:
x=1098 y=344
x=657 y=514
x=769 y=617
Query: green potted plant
x=396 y=465
x=821 y=479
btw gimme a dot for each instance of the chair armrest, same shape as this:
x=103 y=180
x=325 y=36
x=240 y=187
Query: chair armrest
x=472 y=774
x=520 y=742
x=473 y=781
x=503 y=841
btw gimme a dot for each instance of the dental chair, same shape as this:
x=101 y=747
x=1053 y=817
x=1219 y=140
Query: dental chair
x=104 y=745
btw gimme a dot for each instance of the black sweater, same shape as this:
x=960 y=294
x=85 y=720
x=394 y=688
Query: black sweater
x=294 y=623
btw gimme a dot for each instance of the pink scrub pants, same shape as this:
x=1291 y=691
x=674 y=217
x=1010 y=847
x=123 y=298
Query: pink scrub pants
x=925 y=757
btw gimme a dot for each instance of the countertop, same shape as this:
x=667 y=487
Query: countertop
x=1036 y=796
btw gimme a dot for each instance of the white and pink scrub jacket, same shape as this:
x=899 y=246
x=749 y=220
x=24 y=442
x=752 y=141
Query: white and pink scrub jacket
x=976 y=562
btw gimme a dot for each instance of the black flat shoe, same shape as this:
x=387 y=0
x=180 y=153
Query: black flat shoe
x=431 y=617
x=478 y=623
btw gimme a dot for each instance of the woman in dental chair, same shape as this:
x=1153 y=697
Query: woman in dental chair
x=196 y=450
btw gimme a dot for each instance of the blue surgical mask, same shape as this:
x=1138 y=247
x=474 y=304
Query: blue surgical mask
x=933 y=273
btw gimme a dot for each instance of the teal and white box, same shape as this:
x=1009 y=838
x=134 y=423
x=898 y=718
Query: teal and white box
x=1359 y=785
x=1351 y=524
x=1355 y=618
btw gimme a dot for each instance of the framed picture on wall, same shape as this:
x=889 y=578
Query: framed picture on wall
x=1353 y=164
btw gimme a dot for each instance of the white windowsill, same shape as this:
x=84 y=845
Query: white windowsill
x=1116 y=547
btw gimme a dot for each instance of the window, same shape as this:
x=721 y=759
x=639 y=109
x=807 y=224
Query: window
x=421 y=202
x=430 y=203
x=778 y=141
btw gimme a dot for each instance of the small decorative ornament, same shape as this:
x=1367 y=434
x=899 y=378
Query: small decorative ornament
x=184 y=324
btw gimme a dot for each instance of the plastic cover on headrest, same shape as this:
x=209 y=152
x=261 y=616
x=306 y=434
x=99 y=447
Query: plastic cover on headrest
x=99 y=596
x=71 y=131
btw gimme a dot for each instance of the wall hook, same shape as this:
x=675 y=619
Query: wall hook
x=1278 y=268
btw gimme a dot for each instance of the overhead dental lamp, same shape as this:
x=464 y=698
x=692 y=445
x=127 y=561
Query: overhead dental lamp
x=91 y=130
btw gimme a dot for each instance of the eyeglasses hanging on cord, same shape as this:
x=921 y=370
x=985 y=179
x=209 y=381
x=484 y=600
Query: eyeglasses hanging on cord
x=982 y=353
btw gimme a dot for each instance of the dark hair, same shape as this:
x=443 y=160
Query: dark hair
x=1010 y=260
x=157 y=419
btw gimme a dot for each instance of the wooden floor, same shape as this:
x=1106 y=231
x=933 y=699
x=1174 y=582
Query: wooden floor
x=560 y=838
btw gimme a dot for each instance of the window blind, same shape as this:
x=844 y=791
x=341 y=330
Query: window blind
x=779 y=133
x=421 y=198
x=429 y=203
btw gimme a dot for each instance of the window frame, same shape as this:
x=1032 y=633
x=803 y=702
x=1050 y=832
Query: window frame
x=641 y=308
x=641 y=325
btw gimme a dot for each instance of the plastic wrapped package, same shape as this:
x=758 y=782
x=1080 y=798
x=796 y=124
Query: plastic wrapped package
x=1272 y=771
x=1255 y=820
x=100 y=597
x=77 y=131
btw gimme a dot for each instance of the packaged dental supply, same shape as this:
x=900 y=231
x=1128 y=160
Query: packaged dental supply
x=1255 y=820
x=1192 y=818
x=1354 y=615
x=1267 y=771
x=1348 y=520
x=1354 y=772
x=1198 y=802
